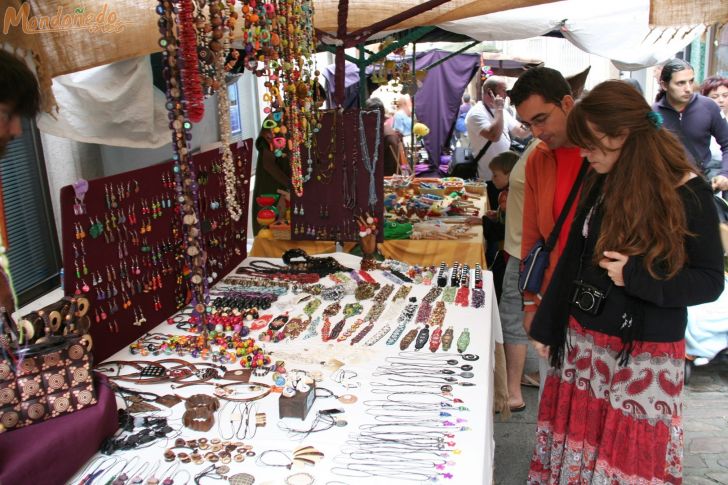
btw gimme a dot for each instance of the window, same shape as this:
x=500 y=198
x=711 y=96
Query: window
x=236 y=129
x=32 y=243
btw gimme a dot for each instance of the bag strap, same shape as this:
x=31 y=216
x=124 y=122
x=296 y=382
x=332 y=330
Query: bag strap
x=551 y=241
x=482 y=152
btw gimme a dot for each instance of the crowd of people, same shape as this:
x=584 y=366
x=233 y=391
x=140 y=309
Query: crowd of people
x=639 y=244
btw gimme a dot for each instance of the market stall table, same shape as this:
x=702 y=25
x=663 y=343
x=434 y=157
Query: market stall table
x=423 y=252
x=457 y=408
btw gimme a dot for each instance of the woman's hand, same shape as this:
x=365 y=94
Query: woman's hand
x=719 y=182
x=541 y=349
x=614 y=263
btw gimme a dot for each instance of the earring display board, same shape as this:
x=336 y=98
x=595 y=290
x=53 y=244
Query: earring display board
x=345 y=165
x=122 y=244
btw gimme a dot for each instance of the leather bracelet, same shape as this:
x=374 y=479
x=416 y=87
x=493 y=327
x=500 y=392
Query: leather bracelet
x=202 y=401
x=198 y=419
x=222 y=391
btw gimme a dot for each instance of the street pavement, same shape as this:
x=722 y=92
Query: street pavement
x=705 y=419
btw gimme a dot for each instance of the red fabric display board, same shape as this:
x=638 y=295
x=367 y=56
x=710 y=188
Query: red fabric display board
x=338 y=191
x=124 y=250
x=54 y=450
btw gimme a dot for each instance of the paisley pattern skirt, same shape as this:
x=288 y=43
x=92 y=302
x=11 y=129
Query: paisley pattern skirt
x=602 y=423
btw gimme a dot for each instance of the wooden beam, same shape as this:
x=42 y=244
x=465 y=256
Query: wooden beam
x=340 y=72
x=359 y=36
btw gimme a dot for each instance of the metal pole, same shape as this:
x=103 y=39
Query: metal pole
x=362 y=77
x=412 y=111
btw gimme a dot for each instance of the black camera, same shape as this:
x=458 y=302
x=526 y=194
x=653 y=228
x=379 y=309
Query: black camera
x=588 y=298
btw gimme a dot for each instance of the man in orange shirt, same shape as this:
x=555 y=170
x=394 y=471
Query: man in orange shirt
x=543 y=99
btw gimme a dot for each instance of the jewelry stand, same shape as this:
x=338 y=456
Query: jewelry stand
x=341 y=184
x=123 y=248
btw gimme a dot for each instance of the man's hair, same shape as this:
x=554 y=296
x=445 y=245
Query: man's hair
x=712 y=83
x=544 y=81
x=18 y=86
x=668 y=69
x=466 y=98
x=492 y=83
x=504 y=162
x=374 y=103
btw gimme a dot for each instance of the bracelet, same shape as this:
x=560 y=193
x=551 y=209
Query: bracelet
x=202 y=401
x=225 y=391
x=198 y=419
x=300 y=479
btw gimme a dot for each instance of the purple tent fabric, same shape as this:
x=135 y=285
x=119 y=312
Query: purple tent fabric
x=351 y=84
x=438 y=100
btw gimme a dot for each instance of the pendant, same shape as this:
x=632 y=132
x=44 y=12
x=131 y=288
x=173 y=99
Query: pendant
x=422 y=337
x=408 y=338
x=447 y=339
x=463 y=341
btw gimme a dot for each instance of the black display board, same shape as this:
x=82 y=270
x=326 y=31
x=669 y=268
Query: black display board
x=338 y=190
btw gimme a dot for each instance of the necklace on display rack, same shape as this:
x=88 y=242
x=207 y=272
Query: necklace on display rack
x=349 y=180
x=326 y=157
x=370 y=160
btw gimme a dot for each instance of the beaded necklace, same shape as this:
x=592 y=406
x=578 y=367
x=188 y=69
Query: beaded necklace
x=370 y=162
x=184 y=171
x=191 y=82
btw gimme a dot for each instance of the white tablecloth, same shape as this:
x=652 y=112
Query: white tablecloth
x=472 y=453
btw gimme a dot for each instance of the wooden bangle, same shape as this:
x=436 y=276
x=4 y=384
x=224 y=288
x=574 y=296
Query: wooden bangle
x=202 y=401
x=198 y=419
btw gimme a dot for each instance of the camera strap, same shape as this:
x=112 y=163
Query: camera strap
x=588 y=232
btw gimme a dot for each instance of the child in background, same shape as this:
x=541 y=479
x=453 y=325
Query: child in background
x=494 y=220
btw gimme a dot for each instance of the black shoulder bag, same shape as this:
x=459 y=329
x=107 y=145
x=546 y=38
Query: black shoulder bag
x=535 y=264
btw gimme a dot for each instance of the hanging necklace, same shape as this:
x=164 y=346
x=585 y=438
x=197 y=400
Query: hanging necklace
x=326 y=157
x=370 y=162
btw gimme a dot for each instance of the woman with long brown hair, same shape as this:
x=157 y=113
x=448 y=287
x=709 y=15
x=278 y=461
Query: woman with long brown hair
x=643 y=246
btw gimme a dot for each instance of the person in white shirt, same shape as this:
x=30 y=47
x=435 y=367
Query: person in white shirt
x=488 y=121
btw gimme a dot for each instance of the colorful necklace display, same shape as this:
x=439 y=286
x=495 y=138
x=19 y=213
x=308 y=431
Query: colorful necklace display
x=184 y=172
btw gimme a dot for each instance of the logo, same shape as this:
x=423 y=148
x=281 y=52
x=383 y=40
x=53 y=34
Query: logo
x=102 y=21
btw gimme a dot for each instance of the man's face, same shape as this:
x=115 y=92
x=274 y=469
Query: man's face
x=498 y=90
x=546 y=120
x=680 y=88
x=10 y=127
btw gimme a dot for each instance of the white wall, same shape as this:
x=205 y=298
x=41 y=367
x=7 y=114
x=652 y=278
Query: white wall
x=121 y=159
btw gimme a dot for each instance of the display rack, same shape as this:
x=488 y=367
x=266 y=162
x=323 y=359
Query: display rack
x=338 y=190
x=121 y=243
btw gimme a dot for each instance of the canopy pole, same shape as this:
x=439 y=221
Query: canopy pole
x=359 y=36
x=363 y=95
x=340 y=72
x=412 y=111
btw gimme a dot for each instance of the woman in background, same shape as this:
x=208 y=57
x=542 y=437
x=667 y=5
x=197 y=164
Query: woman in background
x=272 y=172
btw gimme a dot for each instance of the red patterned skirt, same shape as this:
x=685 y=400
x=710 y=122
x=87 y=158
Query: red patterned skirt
x=602 y=423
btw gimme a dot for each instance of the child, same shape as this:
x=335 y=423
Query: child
x=494 y=220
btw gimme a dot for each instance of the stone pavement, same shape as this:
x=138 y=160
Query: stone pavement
x=705 y=421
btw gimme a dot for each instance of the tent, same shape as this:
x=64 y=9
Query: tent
x=618 y=30
x=125 y=29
